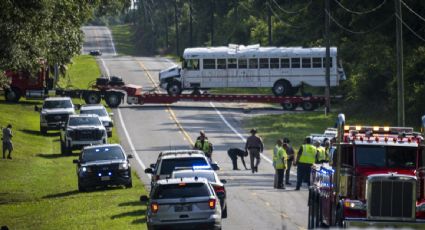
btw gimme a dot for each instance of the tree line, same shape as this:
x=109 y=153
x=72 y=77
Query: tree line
x=363 y=30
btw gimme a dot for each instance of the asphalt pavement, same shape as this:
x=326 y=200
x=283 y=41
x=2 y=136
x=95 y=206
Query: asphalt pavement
x=145 y=130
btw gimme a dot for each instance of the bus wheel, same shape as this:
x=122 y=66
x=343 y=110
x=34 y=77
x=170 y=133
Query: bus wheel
x=12 y=95
x=289 y=106
x=113 y=99
x=174 y=88
x=92 y=98
x=282 y=88
x=309 y=106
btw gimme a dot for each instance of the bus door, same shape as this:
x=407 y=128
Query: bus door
x=263 y=78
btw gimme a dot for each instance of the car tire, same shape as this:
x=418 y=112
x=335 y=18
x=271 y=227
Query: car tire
x=129 y=185
x=309 y=106
x=92 y=98
x=224 y=212
x=174 y=88
x=282 y=88
x=110 y=134
x=43 y=131
x=65 y=150
x=81 y=188
x=113 y=99
x=12 y=94
x=289 y=106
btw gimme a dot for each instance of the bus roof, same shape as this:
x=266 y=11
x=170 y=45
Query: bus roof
x=241 y=51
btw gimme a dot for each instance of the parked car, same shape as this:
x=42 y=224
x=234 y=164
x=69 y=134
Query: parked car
x=54 y=113
x=102 y=113
x=103 y=165
x=167 y=161
x=82 y=130
x=185 y=203
x=212 y=177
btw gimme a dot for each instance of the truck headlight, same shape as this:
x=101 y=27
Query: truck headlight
x=354 y=204
x=123 y=166
x=105 y=123
x=85 y=169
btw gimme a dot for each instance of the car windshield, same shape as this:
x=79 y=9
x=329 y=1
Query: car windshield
x=99 y=112
x=182 y=190
x=386 y=156
x=57 y=104
x=77 y=121
x=168 y=165
x=207 y=175
x=102 y=153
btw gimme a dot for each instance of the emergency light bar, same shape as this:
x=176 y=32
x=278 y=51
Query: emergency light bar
x=378 y=129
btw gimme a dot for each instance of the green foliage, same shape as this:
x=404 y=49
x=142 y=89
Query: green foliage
x=81 y=72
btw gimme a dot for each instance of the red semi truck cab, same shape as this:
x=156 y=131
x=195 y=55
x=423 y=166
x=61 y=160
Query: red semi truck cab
x=376 y=179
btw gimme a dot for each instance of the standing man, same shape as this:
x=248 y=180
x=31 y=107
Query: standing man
x=233 y=154
x=327 y=150
x=305 y=159
x=203 y=145
x=290 y=154
x=254 y=146
x=7 y=141
x=321 y=155
x=279 y=163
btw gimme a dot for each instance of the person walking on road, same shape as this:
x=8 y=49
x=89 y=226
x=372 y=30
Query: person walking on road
x=279 y=163
x=290 y=153
x=203 y=144
x=233 y=154
x=305 y=159
x=254 y=146
x=7 y=141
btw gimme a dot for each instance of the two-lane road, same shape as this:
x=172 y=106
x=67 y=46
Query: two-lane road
x=149 y=129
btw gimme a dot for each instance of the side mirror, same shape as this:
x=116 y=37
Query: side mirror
x=129 y=156
x=144 y=198
x=152 y=166
x=75 y=161
x=215 y=166
x=148 y=171
x=111 y=114
x=36 y=108
x=223 y=181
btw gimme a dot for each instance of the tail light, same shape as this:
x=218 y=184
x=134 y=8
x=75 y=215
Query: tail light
x=154 y=207
x=219 y=190
x=211 y=203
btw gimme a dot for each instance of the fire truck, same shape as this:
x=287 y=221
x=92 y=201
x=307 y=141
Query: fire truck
x=376 y=178
x=114 y=91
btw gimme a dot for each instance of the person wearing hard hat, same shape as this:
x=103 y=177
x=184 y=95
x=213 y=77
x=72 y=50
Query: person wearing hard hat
x=254 y=146
x=305 y=159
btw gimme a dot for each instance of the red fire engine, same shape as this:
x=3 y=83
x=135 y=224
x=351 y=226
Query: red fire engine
x=376 y=178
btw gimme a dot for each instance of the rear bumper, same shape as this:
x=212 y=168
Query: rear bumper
x=360 y=223
x=214 y=224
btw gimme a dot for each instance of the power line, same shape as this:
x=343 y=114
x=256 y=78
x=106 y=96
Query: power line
x=358 y=32
x=292 y=12
x=411 y=30
x=361 y=12
x=280 y=19
x=411 y=10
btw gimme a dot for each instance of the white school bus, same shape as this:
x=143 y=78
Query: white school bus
x=283 y=69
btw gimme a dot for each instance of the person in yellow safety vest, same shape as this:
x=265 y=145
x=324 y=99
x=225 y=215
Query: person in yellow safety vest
x=203 y=145
x=321 y=155
x=327 y=150
x=279 y=162
x=305 y=159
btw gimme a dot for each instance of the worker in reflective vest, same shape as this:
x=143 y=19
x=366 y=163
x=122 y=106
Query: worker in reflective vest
x=279 y=163
x=327 y=150
x=321 y=155
x=203 y=145
x=305 y=159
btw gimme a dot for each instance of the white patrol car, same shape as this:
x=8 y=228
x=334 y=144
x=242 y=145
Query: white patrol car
x=82 y=130
x=103 y=114
x=55 y=112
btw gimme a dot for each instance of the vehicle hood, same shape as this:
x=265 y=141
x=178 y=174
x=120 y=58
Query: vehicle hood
x=85 y=127
x=103 y=162
x=170 y=72
x=108 y=119
x=58 y=111
x=370 y=171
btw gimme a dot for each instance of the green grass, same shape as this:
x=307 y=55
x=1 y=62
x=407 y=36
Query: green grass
x=124 y=39
x=81 y=72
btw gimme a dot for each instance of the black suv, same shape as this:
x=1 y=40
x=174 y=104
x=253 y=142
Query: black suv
x=103 y=165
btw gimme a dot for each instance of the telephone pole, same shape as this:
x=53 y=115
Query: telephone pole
x=190 y=24
x=212 y=21
x=400 y=80
x=269 y=21
x=176 y=20
x=327 y=59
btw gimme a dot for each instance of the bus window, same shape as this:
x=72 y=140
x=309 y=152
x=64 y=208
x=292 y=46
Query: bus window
x=253 y=63
x=317 y=62
x=231 y=63
x=221 y=63
x=330 y=62
x=209 y=63
x=306 y=62
x=295 y=62
x=284 y=63
x=264 y=63
x=242 y=63
x=192 y=64
x=274 y=63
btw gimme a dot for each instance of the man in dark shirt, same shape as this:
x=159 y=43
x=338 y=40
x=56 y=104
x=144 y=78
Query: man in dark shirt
x=290 y=152
x=233 y=154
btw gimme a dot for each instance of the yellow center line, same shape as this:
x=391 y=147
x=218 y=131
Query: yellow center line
x=170 y=111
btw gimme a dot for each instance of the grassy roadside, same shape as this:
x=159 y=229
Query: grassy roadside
x=124 y=39
x=81 y=72
x=39 y=186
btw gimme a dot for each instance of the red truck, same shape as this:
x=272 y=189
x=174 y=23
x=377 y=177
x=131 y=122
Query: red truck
x=376 y=178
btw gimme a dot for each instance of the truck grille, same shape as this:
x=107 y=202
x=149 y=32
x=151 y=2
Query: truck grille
x=391 y=197
x=87 y=135
x=57 y=118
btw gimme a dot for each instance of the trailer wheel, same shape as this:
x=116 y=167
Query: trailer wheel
x=12 y=94
x=113 y=99
x=289 y=106
x=282 y=88
x=174 y=88
x=92 y=98
x=309 y=106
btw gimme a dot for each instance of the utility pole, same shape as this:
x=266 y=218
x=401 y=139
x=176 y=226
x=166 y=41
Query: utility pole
x=327 y=59
x=176 y=20
x=269 y=21
x=190 y=24
x=212 y=21
x=400 y=80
